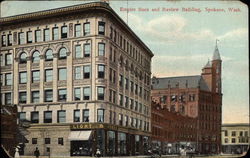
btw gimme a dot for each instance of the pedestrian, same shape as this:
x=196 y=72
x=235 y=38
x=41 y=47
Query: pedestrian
x=98 y=153
x=36 y=153
x=17 y=152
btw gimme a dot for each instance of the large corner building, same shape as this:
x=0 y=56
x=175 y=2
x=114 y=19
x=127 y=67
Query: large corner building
x=81 y=76
x=198 y=97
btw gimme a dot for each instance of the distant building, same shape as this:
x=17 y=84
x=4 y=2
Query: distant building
x=235 y=138
x=171 y=130
x=81 y=76
x=198 y=97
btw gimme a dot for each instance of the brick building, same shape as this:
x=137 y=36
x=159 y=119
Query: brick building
x=169 y=131
x=81 y=76
x=198 y=97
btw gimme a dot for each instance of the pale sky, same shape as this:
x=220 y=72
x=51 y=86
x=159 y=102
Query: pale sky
x=184 y=41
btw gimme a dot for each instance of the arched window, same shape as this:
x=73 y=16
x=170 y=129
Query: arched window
x=35 y=57
x=48 y=55
x=62 y=53
x=23 y=59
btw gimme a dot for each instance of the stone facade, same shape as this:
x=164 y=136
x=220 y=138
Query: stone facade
x=116 y=55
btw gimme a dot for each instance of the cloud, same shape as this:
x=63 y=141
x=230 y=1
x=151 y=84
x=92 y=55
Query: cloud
x=235 y=34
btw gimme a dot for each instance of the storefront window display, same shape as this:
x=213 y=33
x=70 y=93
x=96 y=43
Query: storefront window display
x=100 y=137
x=122 y=143
x=111 y=143
x=137 y=144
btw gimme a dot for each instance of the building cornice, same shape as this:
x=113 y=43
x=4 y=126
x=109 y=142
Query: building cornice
x=71 y=10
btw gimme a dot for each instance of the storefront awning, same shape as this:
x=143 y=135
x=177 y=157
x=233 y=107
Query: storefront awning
x=79 y=135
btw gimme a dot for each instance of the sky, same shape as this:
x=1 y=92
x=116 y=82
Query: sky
x=183 y=40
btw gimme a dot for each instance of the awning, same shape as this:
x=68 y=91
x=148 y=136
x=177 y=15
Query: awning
x=79 y=135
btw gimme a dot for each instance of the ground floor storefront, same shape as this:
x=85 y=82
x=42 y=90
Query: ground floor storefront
x=234 y=149
x=84 y=139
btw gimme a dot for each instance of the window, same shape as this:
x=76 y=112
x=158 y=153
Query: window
x=7 y=98
x=226 y=140
x=48 y=55
x=101 y=28
x=101 y=49
x=136 y=89
x=34 y=140
x=226 y=133
x=233 y=140
x=60 y=141
x=46 y=34
x=29 y=37
x=77 y=30
x=120 y=119
x=4 y=40
x=61 y=116
x=47 y=117
x=62 y=74
x=21 y=38
x=22 y=97
x=76 y=115
x=86 y=93
x=86 y=29
x=121 y=80
x=132 y=86
x=22 y=116
x=64 y=32
x=10 y=39
x=55 y=33
x=233 y=133
x=85 y=113
x=78 y=51
x=114 y=118
x=62 y=95
x=126 y=101
x=126 y=120
x=100 y=93
x=48 y=75
x=1 y=60
x=101 y=71
x=36 y=57
x=78 y=73
x=77 y=93
x=126 y=83
x=35 y=76
x=46 y=140
x=131 y=104
x=48 y=96
x=120 y=99
x=63 y=53
x=38 y=36
x=23 y=58
x=86 y=50
x=8 y=79
x=136 y=105
x=100 y=115
x=86 y=71
x=35 y=97
x=35 y=117
x=8 y=59
x=22 y=77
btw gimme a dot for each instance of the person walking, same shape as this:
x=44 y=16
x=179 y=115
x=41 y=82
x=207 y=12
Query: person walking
x=37 y=153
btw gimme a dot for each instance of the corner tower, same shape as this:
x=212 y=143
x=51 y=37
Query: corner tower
x=216 y=70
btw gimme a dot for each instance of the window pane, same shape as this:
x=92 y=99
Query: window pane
x=62 y=74
x=62 y=95
x=86 y=29
x=48 y=96
x=46 y=35
x=78 y=51
x=100 y=115
x=76 y=115
x=77 y=93
x=47 y=117
x=61 y=116
x=49 y=55
x=101 y=49
x=101 y=71
x=48 y=75
x=35 y=117
x=22 y=97
x=86 y=71
x=86 y=115
x=64 y=32
x=22 y=116
x=8 y=79
x=100 y=93
x=35 y=97
x=4 y=40
x=38 y=36
x=78 y=73
x=87 y=50
x=55 y=33
x=78 y=30
x=86 y=93
x=29 y=37
x=21 y=38
x=10 y=39
x=8 y=59
x=36 y=57
x=22 y=77
x=63 y=53
x=101 y=28
x=8 y=98
x=23 y=58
